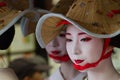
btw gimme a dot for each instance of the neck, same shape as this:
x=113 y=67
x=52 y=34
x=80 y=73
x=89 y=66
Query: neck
x=103 y=71
x=68 y=71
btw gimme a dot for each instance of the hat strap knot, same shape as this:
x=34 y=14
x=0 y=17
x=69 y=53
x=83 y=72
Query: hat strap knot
x=2 y=4
x=113 y=12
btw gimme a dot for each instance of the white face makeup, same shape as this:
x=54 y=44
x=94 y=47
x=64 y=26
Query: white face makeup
x=57 y=46
x=81 y=47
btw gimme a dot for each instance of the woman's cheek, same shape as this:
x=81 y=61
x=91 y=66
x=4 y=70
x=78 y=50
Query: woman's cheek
x=68 y=48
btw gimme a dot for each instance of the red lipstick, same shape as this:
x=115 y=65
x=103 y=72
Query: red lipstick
x=55 y=52
x=78 y=61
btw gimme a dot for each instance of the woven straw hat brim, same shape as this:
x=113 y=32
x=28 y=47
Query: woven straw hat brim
x=90 y=16
x=28 y=23
x=97 y=16
x=46 y=32
x=46 y=29
x=10 y=13
x=21 y=4
x=62 y=6
x=10 y=18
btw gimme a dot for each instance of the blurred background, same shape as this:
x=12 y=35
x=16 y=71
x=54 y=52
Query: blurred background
x=27 y=47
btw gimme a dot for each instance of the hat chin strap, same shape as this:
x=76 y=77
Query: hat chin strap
x=63 y=58
x=103 y=56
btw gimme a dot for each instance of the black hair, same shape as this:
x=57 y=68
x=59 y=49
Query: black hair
x=6 y=38
x=23 y=68
x=115 y=41
x=27 y=70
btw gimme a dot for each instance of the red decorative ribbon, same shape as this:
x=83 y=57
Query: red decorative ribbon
x=63 y=58
x=63 y=22
x=113 y=12
x=78 y=67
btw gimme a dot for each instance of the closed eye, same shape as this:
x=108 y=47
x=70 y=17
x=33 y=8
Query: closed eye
x=68 y=40
x=62 y=35
x=85 y=39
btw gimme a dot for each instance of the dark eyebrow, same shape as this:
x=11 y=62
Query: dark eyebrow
x=81 y=33
x=67 y=34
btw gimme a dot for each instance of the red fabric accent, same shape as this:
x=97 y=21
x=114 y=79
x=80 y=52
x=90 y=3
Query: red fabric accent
x=90 y=65
x=62 y=22
x=63 y=58
x=2 y=4
x=103 y=56
x=113 y=12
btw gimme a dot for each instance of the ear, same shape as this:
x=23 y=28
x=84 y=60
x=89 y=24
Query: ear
x=26 y=78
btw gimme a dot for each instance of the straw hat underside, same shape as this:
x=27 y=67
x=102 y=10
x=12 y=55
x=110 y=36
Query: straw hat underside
x=10 y=15
x=49 y=31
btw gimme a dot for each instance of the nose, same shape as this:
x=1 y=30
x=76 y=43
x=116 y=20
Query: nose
x=77 y=50
x=55 y=42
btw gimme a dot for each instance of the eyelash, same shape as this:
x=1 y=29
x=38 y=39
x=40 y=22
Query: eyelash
x=68 y=40
x=62 y=35
x=83 y=39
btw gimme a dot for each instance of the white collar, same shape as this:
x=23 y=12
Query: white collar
x=80 y=76
x=56 y=76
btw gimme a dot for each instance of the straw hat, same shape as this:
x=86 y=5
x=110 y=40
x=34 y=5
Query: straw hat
x=29 y=25
x=9 y=15
x=91 y=16
x=23 y=4
x=29 y=21
x=61 y=7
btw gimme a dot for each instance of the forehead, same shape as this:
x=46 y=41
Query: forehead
x=73 y=30
x=71 y=27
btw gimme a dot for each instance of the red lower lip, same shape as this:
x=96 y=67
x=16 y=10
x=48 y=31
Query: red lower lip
x=78 y=61
x=55 y=52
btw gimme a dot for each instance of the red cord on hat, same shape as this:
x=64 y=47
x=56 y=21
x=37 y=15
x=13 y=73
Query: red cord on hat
x=113 y=12
x=63 y=58
x=2 y=4
x=63 y=22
